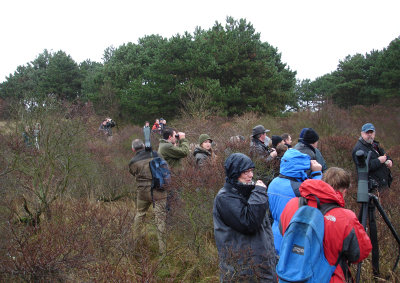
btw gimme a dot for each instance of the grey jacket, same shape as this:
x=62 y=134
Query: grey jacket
x=260 y=150
x=313 y=152
x=201 y=156
x=242 y=229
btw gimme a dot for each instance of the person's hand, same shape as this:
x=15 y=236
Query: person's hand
x=181 y=135
x=260 y=183
x=389 y=163
x=315 y=166
x=382 y=158
x=273 y=153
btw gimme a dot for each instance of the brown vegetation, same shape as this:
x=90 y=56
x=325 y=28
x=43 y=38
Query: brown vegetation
x=67 y=210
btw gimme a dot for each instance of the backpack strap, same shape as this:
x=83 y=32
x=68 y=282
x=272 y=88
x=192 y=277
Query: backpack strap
x=294 y=183
x=287 y=177
x=316 y=199
x=325 y=208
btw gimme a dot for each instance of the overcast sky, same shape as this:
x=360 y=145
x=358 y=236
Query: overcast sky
x=311 y=35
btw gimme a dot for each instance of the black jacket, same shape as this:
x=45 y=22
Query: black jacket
x=378 y=171
x=242 y=229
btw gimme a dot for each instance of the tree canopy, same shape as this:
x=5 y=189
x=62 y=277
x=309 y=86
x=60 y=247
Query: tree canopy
x=225 y=70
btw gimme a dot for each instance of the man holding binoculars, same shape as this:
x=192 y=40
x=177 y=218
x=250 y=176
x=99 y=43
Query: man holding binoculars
x=173 y=147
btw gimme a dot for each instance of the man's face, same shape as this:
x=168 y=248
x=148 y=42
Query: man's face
x=288 y=140
x=173 y=138
x=368 y=136
x=262 y=137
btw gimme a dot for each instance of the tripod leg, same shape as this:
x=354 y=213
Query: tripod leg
x=362 y=217
x=388 y=223
x=373 y=234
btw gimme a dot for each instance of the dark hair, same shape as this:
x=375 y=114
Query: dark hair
x=285 y=136
x=167 y=132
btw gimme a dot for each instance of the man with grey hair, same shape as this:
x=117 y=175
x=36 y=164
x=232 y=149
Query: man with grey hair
x=258 y=148
x=380 y=163
x=140 y=169
x=379 y=178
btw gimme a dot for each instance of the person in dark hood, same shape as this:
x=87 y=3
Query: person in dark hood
x=242 y=228
x=308 y=143
x=204 y=151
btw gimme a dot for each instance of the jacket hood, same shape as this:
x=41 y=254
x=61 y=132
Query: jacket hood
x=322 y=190
x=294 y=164
x=235 y=164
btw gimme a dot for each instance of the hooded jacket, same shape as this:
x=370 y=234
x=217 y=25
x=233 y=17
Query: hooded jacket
x=343 y=231
x=294 y=165
x=241 y=227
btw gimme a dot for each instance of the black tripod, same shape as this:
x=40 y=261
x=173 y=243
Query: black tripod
x=369 y=202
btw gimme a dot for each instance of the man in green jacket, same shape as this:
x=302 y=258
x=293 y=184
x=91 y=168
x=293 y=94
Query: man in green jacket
x=173 y=149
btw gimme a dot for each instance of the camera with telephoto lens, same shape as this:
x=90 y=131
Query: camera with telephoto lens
x=177 y=136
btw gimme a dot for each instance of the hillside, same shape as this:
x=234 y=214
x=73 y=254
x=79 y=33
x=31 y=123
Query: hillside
x=67 y=209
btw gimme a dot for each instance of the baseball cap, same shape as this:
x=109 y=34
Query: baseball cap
x=367 y=127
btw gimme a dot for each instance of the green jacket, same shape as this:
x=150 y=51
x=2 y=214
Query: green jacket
x=173 y=154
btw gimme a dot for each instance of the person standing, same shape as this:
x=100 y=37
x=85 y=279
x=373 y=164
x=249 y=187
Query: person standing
x=379 y=179
x=380 y=163
x=293 y=168
x=140 y=169
x=344 y=237
x=287 y=138
x=242 y=229
x=258 y=148
x=204 y=152
x=173 y=147
x=308 y=143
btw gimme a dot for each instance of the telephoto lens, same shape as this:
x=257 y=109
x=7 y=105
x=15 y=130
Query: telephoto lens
x=177 y=136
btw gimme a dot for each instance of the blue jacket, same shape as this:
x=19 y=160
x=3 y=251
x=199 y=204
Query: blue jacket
x=242 y=229
x=283 y=188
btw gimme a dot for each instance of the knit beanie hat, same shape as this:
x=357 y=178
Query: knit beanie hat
x=310 y=136
x=276 y=140
x=203 y=138
x=302 y=132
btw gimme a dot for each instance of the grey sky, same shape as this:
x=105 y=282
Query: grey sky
x=311 y=35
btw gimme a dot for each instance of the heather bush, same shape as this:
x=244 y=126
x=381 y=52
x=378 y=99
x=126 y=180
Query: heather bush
x=80 y=181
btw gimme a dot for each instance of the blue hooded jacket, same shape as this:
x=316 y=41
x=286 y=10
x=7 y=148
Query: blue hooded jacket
x=242 y=230
x=283 y=188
